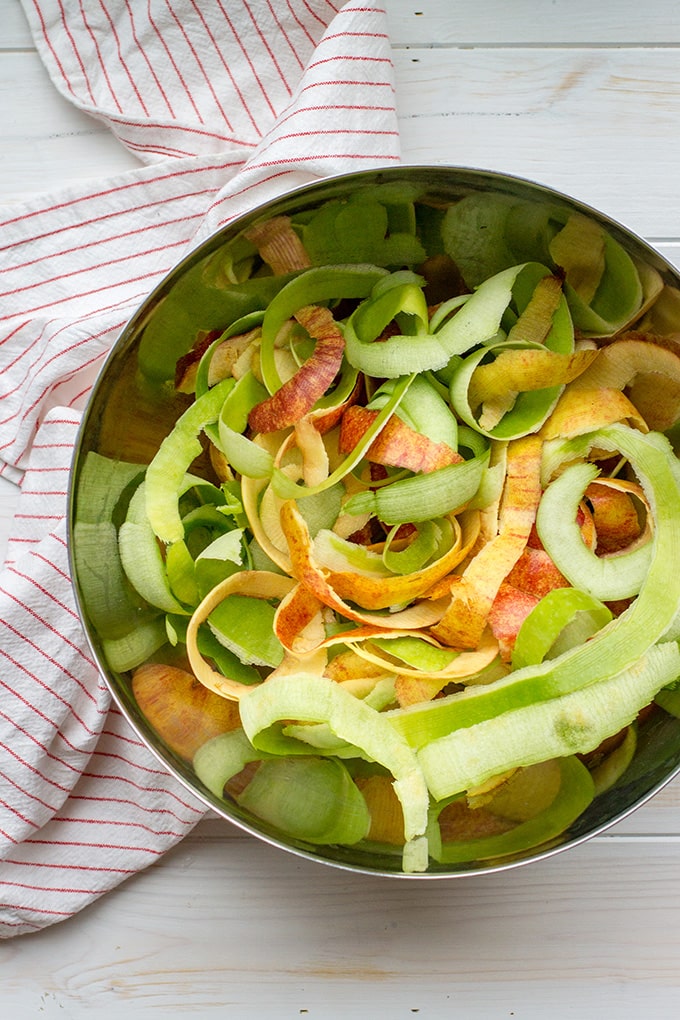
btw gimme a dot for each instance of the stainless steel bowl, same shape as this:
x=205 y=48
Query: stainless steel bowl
x=128 y=414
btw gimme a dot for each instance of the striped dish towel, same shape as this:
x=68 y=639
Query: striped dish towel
x=226 y=105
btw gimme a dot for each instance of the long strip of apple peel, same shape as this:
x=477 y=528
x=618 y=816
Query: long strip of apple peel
x=526 y=369
x=259 y=584
x=279 y=246
x=298 y=622
x=497 y=385
x=579 y=249
x=298 y=625
x=413 y=686
x=320 y=700
x=288 y=489
x=508 y=612
x=398 y=445
x=472 y=596
x=662 y=315
x=298 y=395
x=535 y=321
x=251 y=493
x=582 y=409
x=650 y=372
x=315 y=578
x=383 y=592
x=315 y=464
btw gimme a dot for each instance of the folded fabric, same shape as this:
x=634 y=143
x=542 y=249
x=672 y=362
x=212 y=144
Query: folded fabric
x=226 y=105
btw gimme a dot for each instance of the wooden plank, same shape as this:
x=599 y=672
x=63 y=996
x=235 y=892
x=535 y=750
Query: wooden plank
x=15 y=33
x=469 y=22
x=596 y=124
x=46 y=140
x=560 y=120
x=227 y=925
x=659 y=816
x=236 y=926
x=669 y=249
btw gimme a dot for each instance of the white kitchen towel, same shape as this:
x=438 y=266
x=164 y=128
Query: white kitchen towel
x=226 y=104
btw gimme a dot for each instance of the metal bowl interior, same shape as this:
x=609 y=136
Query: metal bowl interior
x=129 y=413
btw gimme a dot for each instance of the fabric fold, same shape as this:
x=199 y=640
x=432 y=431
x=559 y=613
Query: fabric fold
x=228 y=105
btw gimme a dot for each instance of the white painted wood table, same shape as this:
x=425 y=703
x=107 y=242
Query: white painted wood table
x=581 y=95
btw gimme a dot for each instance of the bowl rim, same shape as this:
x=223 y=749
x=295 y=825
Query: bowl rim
x=129 y=333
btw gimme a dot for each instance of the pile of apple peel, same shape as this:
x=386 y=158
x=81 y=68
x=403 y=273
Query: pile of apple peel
x=424 y=590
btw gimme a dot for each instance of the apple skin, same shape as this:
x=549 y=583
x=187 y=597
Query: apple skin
x=297 y=395
x=183 y=712
x=398 y=445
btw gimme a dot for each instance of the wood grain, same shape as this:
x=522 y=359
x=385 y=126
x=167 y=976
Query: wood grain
x=597 y=123
x=562 y=92
x=258 y=933
x=437 y=23
x=52 y=144
x=492 y=22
